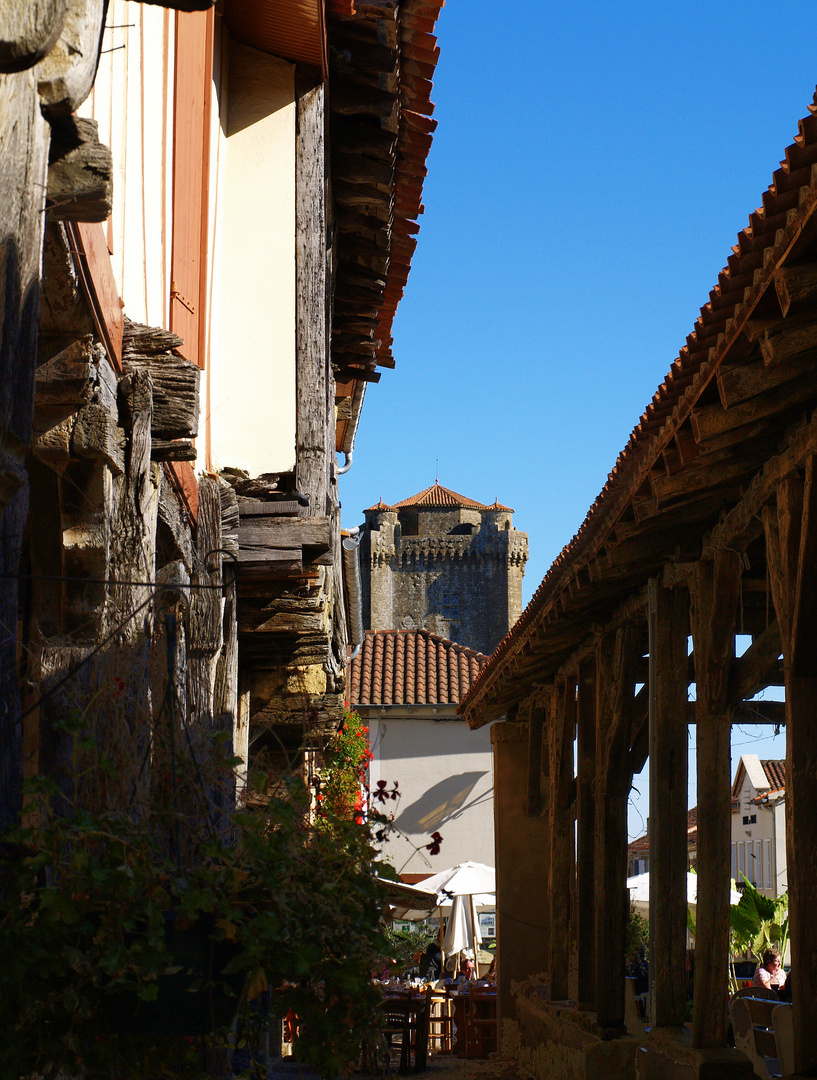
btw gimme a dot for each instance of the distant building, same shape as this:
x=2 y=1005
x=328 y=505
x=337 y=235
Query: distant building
x=406 y=684
x=638 y=851
x=759 y=824
x=441 y=562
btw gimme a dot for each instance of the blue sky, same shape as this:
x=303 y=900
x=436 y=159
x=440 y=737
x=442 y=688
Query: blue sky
x=592 y=166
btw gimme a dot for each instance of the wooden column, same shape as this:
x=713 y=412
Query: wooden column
x=586 y=834
x=616 y=660
x=536 y=727
x=315 y=441
x=669 y=627
x=791 y=546
x=714 y=605
x=521 y=867
x=561 y=731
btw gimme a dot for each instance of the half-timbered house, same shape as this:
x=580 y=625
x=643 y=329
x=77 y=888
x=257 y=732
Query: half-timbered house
x=231 y=199
x=707 y=526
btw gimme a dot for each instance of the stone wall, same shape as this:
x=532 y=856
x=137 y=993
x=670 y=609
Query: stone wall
x=458 y=575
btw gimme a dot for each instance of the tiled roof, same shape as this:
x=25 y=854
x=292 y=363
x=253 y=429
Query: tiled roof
x=642 y=843
x=411 y=667
x=437 y=495
x=762 y=247
x=775 y=774
x=379 y=505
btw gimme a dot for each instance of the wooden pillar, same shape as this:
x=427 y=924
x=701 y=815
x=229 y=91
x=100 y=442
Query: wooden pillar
x=791 y=546
x=616 y=660
x=522 y=908
x=669 y=627
x=314 y=443
x=714 y=604
x=536 y=727
x=586 y=834
x=561 y=731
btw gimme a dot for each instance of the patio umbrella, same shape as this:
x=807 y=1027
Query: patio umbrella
x=463 y=927
x=639 y=887
x=461 y=880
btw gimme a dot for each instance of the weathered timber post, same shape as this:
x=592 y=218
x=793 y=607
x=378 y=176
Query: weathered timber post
x=616 y=659
x=312 y=325
x=714 y=603
x=561 y=732
x=586 y=834
x=791 y=547
x=521 y=867
x=669 y=627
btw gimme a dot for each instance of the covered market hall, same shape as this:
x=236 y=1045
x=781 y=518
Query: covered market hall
x=705 y=529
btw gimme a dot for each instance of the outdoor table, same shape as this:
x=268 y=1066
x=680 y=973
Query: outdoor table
x=406 y=1014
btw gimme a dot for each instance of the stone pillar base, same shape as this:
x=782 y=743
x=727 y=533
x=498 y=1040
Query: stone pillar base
x=668 y=1054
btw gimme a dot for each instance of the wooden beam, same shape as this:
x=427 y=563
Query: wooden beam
x=312 y=330
x=80 y=172
x=796 y=287
x=561 y=734
x=714 y=609
x=791 y=538
x=586 y=832
x=740 y=526
x=669 y=623
x=175 y=393
x=536 y=728
x=739 y=384
x=709 y=421
x=750 y=671
x=616 y=661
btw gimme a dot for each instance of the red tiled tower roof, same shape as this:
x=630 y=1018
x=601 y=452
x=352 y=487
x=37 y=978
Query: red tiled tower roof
x=411 y=667
x=437 y=495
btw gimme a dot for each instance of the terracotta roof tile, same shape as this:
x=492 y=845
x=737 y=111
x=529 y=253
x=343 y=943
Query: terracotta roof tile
x=411 y=667
x=379 y=505
x=775 y=774
x=437 y=495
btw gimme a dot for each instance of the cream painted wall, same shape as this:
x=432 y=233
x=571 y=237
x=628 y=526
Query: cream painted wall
x=250 y=399
x=768 y=831
x=444 y=773
x=132 y=101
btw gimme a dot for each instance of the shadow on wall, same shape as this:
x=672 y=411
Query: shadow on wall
x=442 y=802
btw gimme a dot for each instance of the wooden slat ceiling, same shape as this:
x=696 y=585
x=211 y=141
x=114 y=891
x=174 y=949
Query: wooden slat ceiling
x=382 y=60
x=747 y=372
x=291 y=29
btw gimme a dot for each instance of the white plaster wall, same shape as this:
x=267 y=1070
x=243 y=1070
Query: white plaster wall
x=132 y=102
x=250 y=403
x=770 y=825
x=444 y=773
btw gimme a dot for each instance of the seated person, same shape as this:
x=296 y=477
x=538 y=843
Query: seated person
x=769 y=971
x=467 y=969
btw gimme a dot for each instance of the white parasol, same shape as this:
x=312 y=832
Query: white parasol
x=639 y=887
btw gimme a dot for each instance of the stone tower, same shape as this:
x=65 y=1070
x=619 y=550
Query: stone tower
x=444 y=563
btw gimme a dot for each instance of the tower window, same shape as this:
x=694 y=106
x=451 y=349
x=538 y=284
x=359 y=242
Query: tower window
x=450 y=605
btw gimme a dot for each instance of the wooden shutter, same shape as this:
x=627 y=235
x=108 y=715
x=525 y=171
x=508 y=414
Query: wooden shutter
x=191 y=153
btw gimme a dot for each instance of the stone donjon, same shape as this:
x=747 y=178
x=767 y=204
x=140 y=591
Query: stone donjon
x=444 y=563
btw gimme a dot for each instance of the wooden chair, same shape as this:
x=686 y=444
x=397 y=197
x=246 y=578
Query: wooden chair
x=481 y=1022
x=783 y=1024
x=406 y=1016
x=755 y=1040
x=441 y=1022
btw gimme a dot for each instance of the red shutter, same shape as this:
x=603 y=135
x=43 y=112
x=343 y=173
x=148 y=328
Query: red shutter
x=191 y=147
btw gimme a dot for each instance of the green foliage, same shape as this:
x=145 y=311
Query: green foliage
x=638 y=935
x=88 y=898
x=403 y=944
x=759 y=922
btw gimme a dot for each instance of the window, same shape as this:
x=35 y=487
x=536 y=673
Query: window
x=767 y=859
